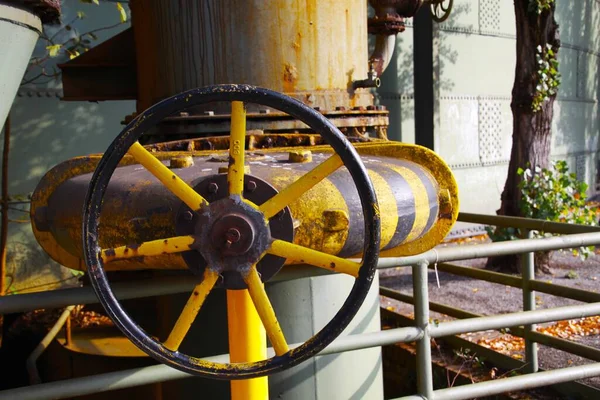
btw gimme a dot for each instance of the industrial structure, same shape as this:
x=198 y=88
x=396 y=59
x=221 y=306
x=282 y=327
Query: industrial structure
x=256 y=153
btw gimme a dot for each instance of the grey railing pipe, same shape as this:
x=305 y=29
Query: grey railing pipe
x=526 y=223
x=513 y=319
x=514 y=281
x=551 y=341
x=156 y=287
x=523 y=382
x=31 y=363
x=162 y=373
x=494 y=249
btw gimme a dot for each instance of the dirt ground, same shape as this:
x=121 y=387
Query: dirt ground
x=489 y=298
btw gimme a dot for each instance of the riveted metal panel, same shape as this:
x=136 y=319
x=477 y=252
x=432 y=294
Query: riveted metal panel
x=457 y=139
x=489 y=15
x=579 y=21
x=490 y=130
x=575 y=127
x=568 y=66
x=475 y=64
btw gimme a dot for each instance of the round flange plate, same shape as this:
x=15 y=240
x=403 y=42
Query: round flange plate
x=214 y=188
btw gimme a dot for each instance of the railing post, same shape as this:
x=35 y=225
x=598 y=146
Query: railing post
x=528 y=274
x=421 y=296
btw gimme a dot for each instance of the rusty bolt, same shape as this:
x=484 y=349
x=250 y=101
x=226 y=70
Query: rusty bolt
x=188 y=216
x=300 y=156
x=213 y=187
x=371 y=108
x=232 y=236
x=251 y=186
x=340 y=108
x=358 y=108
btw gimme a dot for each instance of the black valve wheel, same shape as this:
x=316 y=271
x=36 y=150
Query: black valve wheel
x=234 y=234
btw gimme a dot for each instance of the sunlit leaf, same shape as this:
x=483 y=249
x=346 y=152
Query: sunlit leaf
x=80 y=14
x=90 y=2
x=122 y=13
x=53 y=49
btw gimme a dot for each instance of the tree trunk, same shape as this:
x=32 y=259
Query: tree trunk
x=531 y=130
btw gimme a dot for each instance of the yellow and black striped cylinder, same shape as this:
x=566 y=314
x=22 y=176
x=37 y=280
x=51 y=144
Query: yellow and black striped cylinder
x=416 y=193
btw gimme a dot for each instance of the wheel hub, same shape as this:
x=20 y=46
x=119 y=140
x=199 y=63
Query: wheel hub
x=231 y=234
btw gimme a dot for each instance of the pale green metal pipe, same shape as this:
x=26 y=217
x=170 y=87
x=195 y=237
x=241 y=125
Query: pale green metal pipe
x=513 y=281
x=528 y=273
x=424 y=369
x=162 y=373
x=514 y=319
x=526 y=223
x=494 y=249
x=551 y=341
x=34 y=376
x=522 y=382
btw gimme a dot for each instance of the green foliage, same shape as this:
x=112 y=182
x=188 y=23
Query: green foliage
x=571 y=275
x=552 y=195
x=548 y=77
x=539 y=6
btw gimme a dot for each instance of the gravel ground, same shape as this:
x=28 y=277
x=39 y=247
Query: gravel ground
x=489 y=298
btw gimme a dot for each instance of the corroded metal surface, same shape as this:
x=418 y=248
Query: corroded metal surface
x=141 y=209
x=310 y=50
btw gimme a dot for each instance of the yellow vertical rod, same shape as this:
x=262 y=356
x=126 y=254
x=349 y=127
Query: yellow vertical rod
x=247 y=342
x=237 y=145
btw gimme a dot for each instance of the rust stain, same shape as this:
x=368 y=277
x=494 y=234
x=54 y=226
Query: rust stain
x=290 y=77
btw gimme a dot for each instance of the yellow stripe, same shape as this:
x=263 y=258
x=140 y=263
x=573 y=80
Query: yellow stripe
x=179 y=188
x=421 y=201
x=237 y=146
x=191 y=309
x=387 y=202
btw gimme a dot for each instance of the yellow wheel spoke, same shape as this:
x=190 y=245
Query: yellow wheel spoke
x=191 y=309
x=318 y=259
x=296 y=189
x=265 y=311
x=153 y=248
x=179 y=188
x=237 y=145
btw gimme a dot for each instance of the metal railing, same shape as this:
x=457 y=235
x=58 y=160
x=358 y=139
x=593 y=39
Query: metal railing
x=421 y=333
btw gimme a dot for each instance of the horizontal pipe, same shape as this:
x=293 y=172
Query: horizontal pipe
x=30 y=363
x=519 y=383
x=514 y=319
x=561 y=344
x=162 y=373
x=481 y=274
x=128 y=290
x=164 y=286
x=526 y=223
x=485 y=250
x=509 y=280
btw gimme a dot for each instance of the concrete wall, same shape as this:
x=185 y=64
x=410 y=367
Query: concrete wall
x=46 y=131
x=474 y=52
